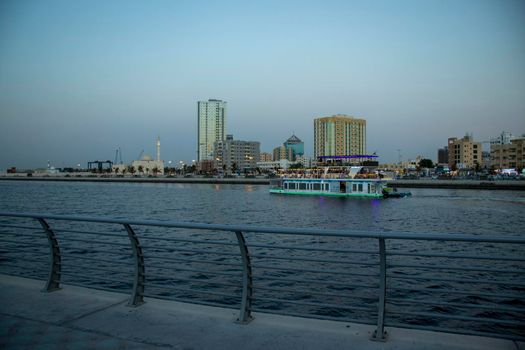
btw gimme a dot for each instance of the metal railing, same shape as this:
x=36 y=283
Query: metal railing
x=446 y=282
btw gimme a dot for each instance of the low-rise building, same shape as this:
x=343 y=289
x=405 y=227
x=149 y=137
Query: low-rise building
x=508 y=156
x=266 y=157
x=464 y=153
x=233 y=154
x=276 y=164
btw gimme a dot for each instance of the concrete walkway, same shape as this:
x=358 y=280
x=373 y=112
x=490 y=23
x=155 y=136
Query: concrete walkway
x=81 y=318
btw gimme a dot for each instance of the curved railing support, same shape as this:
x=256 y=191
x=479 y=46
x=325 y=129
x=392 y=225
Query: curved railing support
x=53 y=280
x=137 y=294
x=245 y=314
x=380 y=333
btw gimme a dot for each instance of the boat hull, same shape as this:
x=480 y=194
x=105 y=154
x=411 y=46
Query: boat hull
x=325 y=193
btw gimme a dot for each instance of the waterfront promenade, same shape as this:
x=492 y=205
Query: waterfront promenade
x=81 y=318
x=518 y=185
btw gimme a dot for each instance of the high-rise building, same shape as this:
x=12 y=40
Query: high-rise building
x=211 y=126
x=233 y=154
x=339 y=135
x=296 y=145
x=464 y=153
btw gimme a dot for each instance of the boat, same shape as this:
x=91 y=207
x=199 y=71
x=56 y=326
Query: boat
x=347 y=183
x=342 y=187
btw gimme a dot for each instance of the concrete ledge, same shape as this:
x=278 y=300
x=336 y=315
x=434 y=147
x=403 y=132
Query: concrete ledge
x=77 y=317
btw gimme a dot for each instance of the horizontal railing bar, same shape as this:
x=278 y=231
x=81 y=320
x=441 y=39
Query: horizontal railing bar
x=448 y=291
x=458 y=280
x=105 y=234
x=282 y=230
x=188 y=240
x=225 y=284
x=22 y=234
x=285 y=279
x=67 y=249
x=251 y=245
x=9 y=264
x=457 y=256
x=456 y=330
x=314 y=316
x=459 y=305
x=17 y=242
x=192 y=301
x=124 y=292
x=96 y=242
x=193 y=260
x=335 y=306
x=66 y=267
x=72 y=274
x=299 y=291
x=239 y=274
x=352 y=262
x=311 y=270
x=197 y=291
x=22 y=227
x=446 y=267
x=73 y=257
x=456 y=317
x=40 y=250
x=191 y=250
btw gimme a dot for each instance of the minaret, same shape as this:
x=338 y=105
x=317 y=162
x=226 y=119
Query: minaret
x=158 y=148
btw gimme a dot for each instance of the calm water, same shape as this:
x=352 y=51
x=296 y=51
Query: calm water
x=428 y=210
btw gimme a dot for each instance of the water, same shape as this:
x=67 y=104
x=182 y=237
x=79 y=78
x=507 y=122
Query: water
x=427 y=211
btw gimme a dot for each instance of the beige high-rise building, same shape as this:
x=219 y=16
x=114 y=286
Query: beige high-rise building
x=339 y=135
x=464 y=153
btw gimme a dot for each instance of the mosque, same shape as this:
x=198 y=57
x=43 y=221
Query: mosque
x=147 y=163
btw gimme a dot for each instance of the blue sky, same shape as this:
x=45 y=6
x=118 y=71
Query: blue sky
x=80 y=78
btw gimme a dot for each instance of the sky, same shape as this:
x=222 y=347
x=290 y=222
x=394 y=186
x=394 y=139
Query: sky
x=78 y=79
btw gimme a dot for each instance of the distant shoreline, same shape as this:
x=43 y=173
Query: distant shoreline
x=516 y=185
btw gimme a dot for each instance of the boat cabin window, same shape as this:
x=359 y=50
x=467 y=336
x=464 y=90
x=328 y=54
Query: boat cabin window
x=302 y=185
x=316 y=186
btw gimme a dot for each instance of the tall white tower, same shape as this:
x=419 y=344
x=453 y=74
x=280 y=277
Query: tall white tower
x=211 y=126
x=158 y=148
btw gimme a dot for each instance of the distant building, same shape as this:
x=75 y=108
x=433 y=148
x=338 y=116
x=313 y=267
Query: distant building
x=266 y=157
x=339 y=135
x=503 y=139
x=443 y=155
x=296 y=145
x=282 y=152
x=211 y=127
x=276 y=164
x=464 y=153
x=244 y=154
x=508 y=156
x=148 y=165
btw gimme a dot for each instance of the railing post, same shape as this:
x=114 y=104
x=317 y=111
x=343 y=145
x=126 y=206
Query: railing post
x=245 y=314
x=380 y=333
x=53 y=281
x=137 y=295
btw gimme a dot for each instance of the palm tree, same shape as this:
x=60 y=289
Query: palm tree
x=141 y=169
x=234 y=167
x=155 y=170
x=132 y=169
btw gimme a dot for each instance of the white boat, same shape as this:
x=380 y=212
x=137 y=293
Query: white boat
x=343 y=187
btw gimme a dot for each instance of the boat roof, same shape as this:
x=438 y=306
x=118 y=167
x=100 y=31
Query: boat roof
x=330 y=180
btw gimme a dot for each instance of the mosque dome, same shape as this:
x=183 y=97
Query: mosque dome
x=146 y=157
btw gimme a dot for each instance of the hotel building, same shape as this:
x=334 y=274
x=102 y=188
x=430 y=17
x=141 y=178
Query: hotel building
x=339 y=135
x=211 y=127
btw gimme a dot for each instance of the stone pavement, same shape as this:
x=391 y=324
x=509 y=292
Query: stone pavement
x=81 y=318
